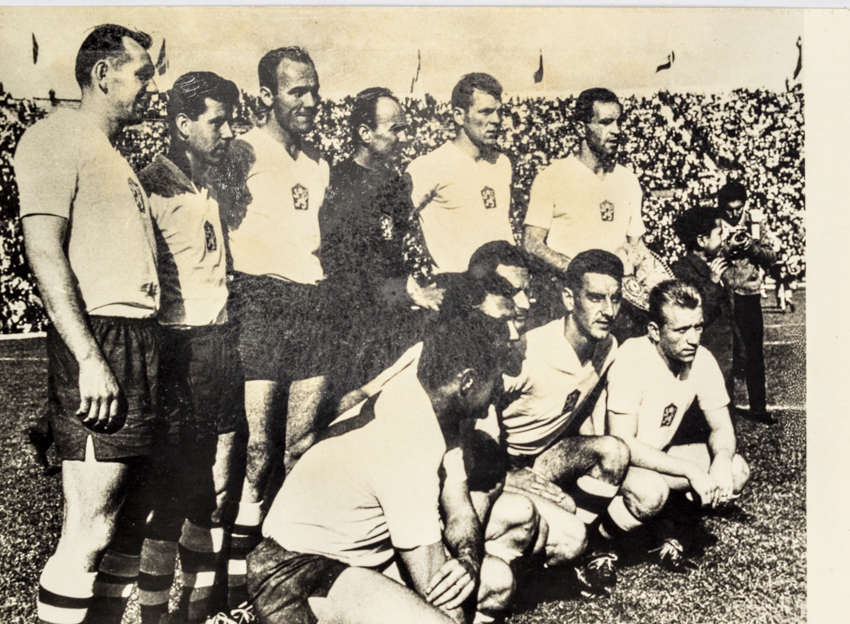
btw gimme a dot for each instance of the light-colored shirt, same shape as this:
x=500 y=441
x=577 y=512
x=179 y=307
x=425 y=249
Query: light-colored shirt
x=65 y=166
x=463 y=203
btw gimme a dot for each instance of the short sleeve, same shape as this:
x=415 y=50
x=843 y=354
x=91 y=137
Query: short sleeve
x=711 y=388
x=46 y=173
x=453 y=466
x=407 y=487
x=541 y=205
x=624 y=387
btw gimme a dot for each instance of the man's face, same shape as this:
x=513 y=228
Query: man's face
x=594 y=307
x=130 y=82
x=735 y=209
x=482 y=122
x=712 y=243
x=513 y=304
x=678 y=338
x=210 y=135
x=296 y=100
x=602 y=132
x=391 y=132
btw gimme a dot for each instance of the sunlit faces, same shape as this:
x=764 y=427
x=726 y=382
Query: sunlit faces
x=678 y=338
x=482 y=121
x=295 y=103
x=391 y=132
x=209 y=136
x=594 y=306
x=602 y=132
x=129 y=82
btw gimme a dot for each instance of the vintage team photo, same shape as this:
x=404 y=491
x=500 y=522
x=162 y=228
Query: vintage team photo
x=369 y=315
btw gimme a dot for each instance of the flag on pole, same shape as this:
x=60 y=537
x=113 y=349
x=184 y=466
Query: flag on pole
x=538 y=75
x=418 y=68
x=799 y=67
x=670 y=58
x=34 y=50
x=162 y=60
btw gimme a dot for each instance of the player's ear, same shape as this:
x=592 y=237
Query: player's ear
x=653 y=331
x=581 y=129
x=365 y=133
x=459 y=115
x=181 y=122
x=266 y=96
x=567 y=299
x=467 y=381
x=100 y=73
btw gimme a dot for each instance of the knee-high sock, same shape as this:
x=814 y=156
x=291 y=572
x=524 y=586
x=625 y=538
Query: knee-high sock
x=64 y=595
x=618 y=520
x=156 y=575
x=592 y=497
x=200 y=548
x=245 y=536
x=116 y=576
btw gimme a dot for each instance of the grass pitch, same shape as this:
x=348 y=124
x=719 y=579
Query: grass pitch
x=755 y=574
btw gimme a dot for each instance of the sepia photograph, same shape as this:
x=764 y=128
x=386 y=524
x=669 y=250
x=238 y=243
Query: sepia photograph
x=408 y=314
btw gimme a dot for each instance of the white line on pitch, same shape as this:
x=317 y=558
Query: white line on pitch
x=20 y=359
x=777 y=408
x=22 y=336
x=774 y=343
x=777 y=325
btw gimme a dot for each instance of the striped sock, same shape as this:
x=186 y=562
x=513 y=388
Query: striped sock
x=618 y=520
x=64 y=595
x=156 y=575
x=592 y=497
x=200 y=549
x=116 y=576
x=245 y=536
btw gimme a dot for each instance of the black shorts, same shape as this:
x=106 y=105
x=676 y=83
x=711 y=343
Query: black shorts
x=132 y=350
x=201 y=384
x=281 y=582
x=282 y=327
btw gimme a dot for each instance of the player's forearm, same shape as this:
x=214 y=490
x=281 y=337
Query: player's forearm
x=651 y=458
x=463 y=534
x=534 y=243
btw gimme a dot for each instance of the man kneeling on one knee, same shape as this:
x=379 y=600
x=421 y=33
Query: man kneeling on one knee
x=651 y=385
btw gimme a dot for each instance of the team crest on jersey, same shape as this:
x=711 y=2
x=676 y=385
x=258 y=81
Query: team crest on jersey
x=489 y=197
x=300 y=197
x=138 y=194
x=570 y=403
x=209 y=234
x=387 y=228
x=669 y=415
x=607 y=210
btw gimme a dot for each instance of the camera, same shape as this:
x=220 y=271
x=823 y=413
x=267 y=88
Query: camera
x=736 y=244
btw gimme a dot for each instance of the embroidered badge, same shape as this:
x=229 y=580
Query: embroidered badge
x=570 y=403
x=387 y=228
x=607 y=210
x=489 y=197
x=138 y=194
x=669 y=415
x=209 y=234
x=300 y=197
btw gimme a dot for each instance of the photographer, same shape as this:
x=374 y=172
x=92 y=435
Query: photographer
x=747 y=252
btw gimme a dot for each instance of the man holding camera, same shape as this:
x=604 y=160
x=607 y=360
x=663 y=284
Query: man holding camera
x=747 y=252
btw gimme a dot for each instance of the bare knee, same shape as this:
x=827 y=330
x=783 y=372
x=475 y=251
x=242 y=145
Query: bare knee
x=566 y=541
x=514 y=519
x=497 y=585
x=645 y=493
x=740 y=473
x=613 y=457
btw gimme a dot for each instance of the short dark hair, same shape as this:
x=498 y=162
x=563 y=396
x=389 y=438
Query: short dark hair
x=490 y=255
x=695 y=222
x=267 y=68
x=364 y=110
x=682 y=294
x=469 y=289
x=190 y=91
x=731 y=191
x=105 y=41
x=461 y=339
x=462 y=93
x=591 y=261
x=584 y=102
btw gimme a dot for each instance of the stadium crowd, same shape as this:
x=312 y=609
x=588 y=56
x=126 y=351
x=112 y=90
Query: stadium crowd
x=402 y=349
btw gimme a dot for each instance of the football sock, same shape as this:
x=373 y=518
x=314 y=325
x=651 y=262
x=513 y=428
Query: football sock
x=592 y=497
x=245 y=536
x=200 y=549
x=64 y=595
x=116 y=576
x=156 y=575
x=618 y=520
